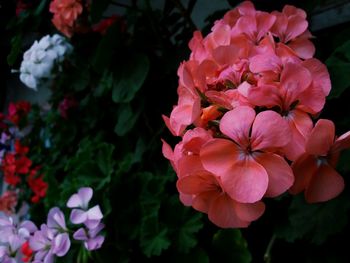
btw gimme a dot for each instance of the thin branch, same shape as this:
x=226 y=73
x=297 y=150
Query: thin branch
x=267 y=255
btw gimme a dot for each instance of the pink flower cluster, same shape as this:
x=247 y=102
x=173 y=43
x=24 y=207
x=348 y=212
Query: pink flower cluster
x=248 y=96
x=66 y=13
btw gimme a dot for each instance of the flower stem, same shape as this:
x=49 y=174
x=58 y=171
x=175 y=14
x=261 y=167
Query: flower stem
x=267 y=255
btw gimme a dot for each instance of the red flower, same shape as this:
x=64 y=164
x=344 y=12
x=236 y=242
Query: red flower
x=23 y=164
x=20 y=149
x=16 y=111
x=9 y=168
x=38 y=186
x=27 y=252
x=103 y=25
x=21 y=6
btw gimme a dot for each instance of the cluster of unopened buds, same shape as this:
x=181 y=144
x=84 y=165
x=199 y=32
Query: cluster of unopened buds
x=24 y=242
x=248 y=97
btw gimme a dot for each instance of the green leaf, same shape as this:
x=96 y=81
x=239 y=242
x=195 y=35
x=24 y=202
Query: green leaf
x=40 y=7
x=105 y=159
x=16 y=45
x=315 y=222
x=97 y=9
x=104 y=52
x=126 y=120
x=187 y=238
x=339 y=68
x=196 y=255
x=154 y=245
x=105 y=84
x=131 y=79
x=230 y=246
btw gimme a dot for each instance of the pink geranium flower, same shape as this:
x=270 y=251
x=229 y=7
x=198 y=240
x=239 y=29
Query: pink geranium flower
x=291 y=29
x=247 y=163
x=65 y=13
x=209 y=197
x=314 y=170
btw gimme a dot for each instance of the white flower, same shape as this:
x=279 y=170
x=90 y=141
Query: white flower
x=41 y=60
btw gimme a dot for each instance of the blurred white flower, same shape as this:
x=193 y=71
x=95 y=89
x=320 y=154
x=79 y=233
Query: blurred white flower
x=41 y=60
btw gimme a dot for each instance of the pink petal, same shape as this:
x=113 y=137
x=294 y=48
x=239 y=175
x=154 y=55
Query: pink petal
x=184 y=115
x=185 y=76
x=294 y=80
x=167 y=150
x=321 y=138
x=296 y=26
x=167 y=124
x=246 y=181
x=85 y=194
x=201 y=181
x=94 y=243
x=269 y=131
x=194 y=139
x=236 y=124
x=225 y=55
x=218 y=155
x=342 y=143
x=300 y=125
x=320 y=75
x=94 y=213
x=185 y=199
x=78 y=216
x=61 y=245
x=290 y=10
x=264 y=22
x=222 y=35
x=80 y=234
x=74 y=201
x=250 y=212
x=222 y=212
x=304 y=169
x=325 y=185
x=280 y=174
x=265 y=62
x=188 y=164
x=248 y=26
x=312 y=99
x=202 y=201
x=265 y=95
x=304 y=48
x=280 y=26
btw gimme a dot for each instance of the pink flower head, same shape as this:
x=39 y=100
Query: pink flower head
x=246 y=99
x=65 y=13
x=248 y=162
x=314 y=170
x=291 y=29
x=90 y=217
x=209 y=197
